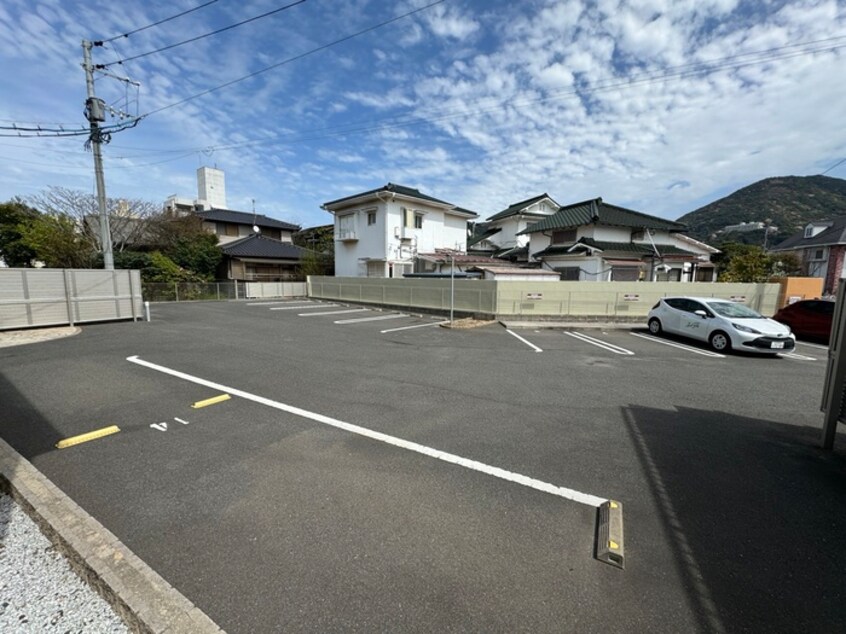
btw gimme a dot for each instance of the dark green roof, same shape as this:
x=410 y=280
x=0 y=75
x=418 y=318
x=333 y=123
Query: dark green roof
x=628 y=248
x=516 y=208
x=598 y=212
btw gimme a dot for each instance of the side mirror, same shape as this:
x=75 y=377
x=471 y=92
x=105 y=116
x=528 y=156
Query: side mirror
x=701 y=313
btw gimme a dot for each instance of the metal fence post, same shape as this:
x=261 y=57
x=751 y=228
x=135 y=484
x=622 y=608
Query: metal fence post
x=132 y=296
x=68 y=296
x=217 y=284
x=176 y=290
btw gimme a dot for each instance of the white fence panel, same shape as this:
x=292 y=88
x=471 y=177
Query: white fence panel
x=260 y=290
x=55 y=297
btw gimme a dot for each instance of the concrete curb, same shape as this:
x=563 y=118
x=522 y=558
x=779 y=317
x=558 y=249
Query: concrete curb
x=145 y=601
x=574 y=325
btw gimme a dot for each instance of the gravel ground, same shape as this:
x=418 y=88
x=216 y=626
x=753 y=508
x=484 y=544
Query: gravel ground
x=38 y=590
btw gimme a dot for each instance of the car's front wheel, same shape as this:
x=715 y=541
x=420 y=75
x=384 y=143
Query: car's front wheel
x=720 y=341
x=655 y=326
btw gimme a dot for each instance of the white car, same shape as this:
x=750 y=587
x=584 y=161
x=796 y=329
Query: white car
x=722 y=323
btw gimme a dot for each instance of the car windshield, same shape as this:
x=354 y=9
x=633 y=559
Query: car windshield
x=733 y=310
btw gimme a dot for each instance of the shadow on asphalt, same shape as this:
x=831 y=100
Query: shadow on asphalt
x=21 y=425
x=756 y=514
x=24 y=429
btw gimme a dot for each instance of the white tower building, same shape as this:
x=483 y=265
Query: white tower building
x=211 y=187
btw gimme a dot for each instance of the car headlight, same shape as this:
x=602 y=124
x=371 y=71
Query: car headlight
x=743 y=328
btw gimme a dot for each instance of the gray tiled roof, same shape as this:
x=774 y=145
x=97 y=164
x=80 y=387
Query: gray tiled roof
x=596 y=211
x=245 y=218
x=258 y=246
x=835 y=234
x=396 y=189
x=517 y=207
x=481 y=230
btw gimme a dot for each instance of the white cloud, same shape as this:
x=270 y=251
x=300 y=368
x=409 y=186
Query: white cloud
x=449 y=22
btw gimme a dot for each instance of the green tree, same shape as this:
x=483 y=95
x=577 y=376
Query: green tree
x=750 y=263
x=312 y=263
x=198 y=253
x=56 y=241
x=13 y=215
x=320 y=242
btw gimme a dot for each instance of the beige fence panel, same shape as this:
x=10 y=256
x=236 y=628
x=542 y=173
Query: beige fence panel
x=54 y=297
x=535 y=300
x=258 y=290
x=470 y=296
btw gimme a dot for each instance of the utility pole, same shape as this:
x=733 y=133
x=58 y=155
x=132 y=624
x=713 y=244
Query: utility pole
x=95 y=112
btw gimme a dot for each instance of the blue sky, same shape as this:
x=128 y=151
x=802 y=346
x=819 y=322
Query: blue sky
x=658 y=105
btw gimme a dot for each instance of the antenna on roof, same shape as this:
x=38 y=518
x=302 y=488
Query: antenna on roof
x=256 y=229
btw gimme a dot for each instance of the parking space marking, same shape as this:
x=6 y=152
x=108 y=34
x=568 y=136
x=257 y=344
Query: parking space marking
x=526 y=341
x=211 y=401
x=600 y=343
x=436 y=323
x=812 y=345
x=798 y=357
x=704 y=353
x=379 y=318
x=473 y=465
x=303 y=307
x=92 y=435
x=335 y=312
x=287 y=301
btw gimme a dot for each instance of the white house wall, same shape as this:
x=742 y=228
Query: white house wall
x=389 y=241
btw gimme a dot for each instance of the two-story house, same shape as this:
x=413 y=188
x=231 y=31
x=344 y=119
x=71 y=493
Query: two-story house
x=379 y=233
x=821 y=245
x=255 y=247
x=596 y=241
x=502 y=234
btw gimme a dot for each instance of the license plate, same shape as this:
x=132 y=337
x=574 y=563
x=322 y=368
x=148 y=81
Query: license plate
x=777 y=344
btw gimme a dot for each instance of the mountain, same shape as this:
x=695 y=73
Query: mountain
x=786 y=202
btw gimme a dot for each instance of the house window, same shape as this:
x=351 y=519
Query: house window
x=563 y=236
x=819 y=254
x=418 y=221
x=809 y=231
x=346 y=226
x=371 y=218
x=569 y=273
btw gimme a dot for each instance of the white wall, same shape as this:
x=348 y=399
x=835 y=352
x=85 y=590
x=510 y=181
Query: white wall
x=384 y=240
x=511 y=226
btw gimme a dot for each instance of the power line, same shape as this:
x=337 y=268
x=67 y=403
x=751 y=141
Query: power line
x=295 y=58
x=200 y=37
x=149 y=26
x=694 y=68
x=839 y=163
x=37 y=132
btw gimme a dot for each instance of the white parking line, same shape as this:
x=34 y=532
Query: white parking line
x=528 y=343
x=380 y=318
x=811 y=345
x=303 y=307
x=287 y=301
x=510 y=476
x=600 y=344
x=437 y=323
x=704 y=353
x=798 y=357
x=335 y=312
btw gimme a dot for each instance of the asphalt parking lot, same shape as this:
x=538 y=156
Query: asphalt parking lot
x=373 y=471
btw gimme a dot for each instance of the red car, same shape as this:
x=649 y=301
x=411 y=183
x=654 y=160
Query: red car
x=809 y=318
